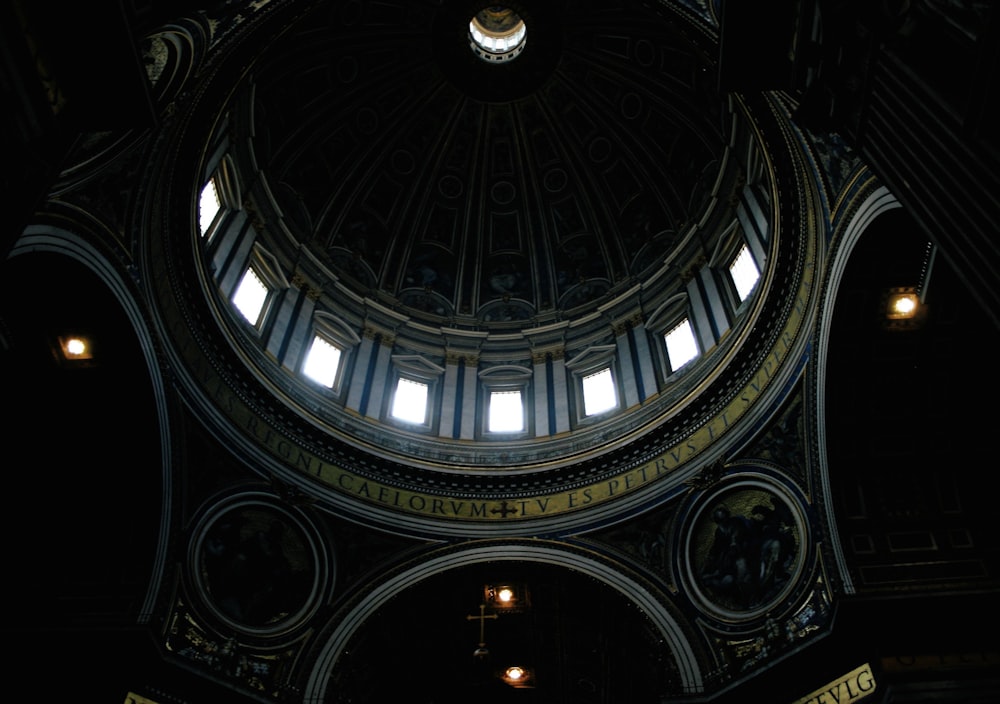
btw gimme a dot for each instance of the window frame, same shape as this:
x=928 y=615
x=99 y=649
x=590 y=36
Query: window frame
x=207 y=231
x=614 y=391
x=334 y=331
x=503 y=379
x=496 y=392
x=227 y=195
x=335 y=383
x=416 y=369
x=252 y=269
x=733 y=288
x=680 y=320
x=399 y=380
x=266 y=269
x=591 y=361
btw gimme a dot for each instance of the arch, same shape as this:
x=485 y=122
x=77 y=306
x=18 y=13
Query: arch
x=46 y=239
x=688 y=667
x=877 y=202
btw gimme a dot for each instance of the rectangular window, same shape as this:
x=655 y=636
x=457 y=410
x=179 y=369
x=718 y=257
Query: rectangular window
x=410 y=401
x=208 y=206
x=744 y=273
x=598 y=392
x=322 y=362
x=250 y=296
x=681 y=345
x=506 y=412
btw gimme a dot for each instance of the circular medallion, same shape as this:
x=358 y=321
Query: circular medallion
x=258 y=566
x=745 y=548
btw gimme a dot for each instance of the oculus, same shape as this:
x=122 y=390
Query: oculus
x=497 y=34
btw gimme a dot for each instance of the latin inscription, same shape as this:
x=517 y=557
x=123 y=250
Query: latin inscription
x=852 y=687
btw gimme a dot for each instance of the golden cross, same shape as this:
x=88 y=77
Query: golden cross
x=481 y=650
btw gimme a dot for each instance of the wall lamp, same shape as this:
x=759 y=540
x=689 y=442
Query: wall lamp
x=75 y=350
x=519 y=677
x=506 y=596
x=903 y=308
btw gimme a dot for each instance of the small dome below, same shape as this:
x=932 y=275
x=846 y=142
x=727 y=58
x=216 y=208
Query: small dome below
x=497 y=33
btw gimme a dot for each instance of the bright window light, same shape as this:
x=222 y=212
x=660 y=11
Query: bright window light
x=410 y=401
x=322 y=361
x=208 y=206
x=506 y=412
x=250 y=296
x=744 y=272
x=598 y=392
x=681 y=345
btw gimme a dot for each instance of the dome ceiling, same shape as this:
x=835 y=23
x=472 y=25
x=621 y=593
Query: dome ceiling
x=466 y=216
x=483 y=195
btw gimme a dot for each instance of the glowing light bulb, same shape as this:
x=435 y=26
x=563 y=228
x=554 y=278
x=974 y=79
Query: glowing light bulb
x=905 y=304
x=75 y=346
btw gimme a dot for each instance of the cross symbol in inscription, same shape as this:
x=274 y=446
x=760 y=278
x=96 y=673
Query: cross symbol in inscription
x=504 y=510
x=481 y=651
